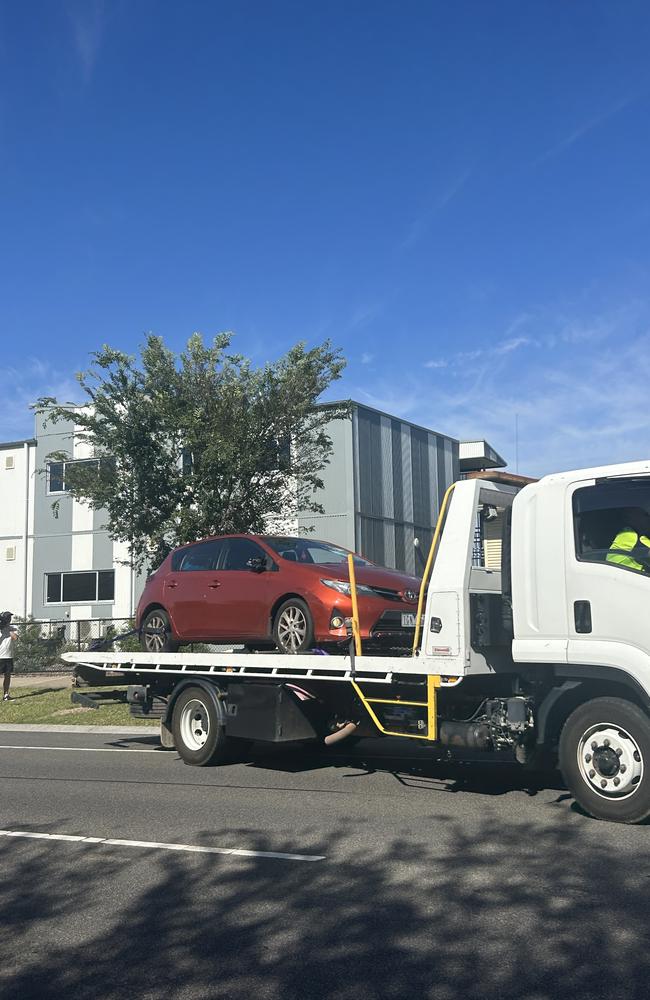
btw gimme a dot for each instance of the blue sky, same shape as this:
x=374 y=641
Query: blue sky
x=456 y=194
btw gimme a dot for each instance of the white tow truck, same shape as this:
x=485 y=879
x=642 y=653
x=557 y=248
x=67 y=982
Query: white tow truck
x=530 y=640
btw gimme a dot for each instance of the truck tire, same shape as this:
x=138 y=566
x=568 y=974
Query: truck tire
x=160 y=641
x=605 y=759
x=293 y=627
x=198 y=728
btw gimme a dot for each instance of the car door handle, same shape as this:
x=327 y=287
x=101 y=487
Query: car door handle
x=214 y=584
x=172 y=584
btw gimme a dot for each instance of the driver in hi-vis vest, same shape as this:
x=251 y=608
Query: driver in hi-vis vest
x=631 y=547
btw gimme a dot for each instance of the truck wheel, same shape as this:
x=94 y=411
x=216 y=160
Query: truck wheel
x=293 y=628
x=605 y=759
x=198 y=728
x=159 y=639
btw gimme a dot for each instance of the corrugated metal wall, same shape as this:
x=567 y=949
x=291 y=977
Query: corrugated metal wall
x=402 y=472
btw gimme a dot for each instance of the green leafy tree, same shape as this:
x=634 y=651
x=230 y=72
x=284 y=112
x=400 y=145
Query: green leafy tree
x=199 y=443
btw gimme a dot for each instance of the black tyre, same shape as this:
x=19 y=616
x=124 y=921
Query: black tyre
x=293 y=627
x=198 y=728
x=605 y=759
x=156 y=632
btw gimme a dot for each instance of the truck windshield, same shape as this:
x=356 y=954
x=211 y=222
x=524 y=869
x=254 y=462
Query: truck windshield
x=307 y=550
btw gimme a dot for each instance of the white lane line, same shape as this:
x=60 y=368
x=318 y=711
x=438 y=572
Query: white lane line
x=20 y=746
x=189 y=848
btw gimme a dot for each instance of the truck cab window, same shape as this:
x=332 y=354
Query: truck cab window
x=612 y=524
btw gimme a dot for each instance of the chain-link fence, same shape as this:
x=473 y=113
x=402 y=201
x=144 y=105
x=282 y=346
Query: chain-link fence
x=39 y=644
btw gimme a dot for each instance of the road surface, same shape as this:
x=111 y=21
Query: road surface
x=371 y=873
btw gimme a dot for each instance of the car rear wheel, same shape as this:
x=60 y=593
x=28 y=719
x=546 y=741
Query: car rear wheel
x=156 y=632
x=293 y=627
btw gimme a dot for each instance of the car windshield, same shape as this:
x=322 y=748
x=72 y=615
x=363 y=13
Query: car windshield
x=304 y=550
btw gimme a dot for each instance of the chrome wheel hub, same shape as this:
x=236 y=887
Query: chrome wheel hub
x=610 y=761
x=195 y=724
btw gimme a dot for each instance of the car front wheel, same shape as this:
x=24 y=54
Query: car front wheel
x=293 y=627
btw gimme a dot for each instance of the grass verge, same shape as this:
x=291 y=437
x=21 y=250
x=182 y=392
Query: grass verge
x=38 y=705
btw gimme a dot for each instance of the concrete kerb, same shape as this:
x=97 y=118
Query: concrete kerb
x=25 y=727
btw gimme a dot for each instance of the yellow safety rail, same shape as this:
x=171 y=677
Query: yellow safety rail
x=431 y=705
x=356 y=632
x=429 y=564
x=433 y=680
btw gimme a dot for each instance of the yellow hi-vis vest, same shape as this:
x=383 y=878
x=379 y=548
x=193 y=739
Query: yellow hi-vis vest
x=621 y=548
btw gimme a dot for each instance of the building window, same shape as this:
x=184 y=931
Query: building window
x=56 y=473
x=75 y=588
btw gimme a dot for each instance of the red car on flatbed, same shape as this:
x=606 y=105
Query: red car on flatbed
x=272 y=590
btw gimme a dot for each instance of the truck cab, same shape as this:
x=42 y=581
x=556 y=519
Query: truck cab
x=554 y=614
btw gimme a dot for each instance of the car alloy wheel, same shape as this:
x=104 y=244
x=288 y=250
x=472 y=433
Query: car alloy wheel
x=155 y=641
x=156 y=633
x=292 y=628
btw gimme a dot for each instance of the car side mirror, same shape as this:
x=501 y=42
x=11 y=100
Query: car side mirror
x=257 y=564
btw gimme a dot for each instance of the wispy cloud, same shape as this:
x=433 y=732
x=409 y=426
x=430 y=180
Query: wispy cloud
x=575 y=405
x=88 y=22
x=508 y=346
x=23 y=387
x=366 y=358
x=364 y=314
x=494 y=349
x=437 y=203
x=587 y=126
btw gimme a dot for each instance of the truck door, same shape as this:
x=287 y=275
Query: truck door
x=608 y=587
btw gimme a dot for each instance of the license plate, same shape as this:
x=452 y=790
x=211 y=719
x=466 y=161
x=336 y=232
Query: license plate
x=408 y=621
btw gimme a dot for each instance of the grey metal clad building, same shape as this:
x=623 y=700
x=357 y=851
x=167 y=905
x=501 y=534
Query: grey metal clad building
x=383 y=486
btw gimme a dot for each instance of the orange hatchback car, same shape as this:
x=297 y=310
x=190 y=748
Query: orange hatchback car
x=269 y=590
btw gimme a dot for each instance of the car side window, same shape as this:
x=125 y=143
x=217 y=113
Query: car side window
x=201 y=557
x=240 y=551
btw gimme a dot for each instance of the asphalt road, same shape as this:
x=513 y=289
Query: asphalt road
x=401 y=877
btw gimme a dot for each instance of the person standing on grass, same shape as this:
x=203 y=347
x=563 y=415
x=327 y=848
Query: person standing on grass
x=7 y=638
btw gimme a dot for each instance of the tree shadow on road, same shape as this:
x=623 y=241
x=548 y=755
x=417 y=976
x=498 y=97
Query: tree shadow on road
x=520 y=911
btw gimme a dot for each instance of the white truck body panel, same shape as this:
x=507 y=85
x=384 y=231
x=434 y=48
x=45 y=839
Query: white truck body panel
x=548 y=578
x=454 y=578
